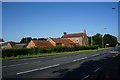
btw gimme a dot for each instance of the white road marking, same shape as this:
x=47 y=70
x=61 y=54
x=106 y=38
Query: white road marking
x=37 y=69
x=85 y=77
x=79 y=59
x=17 y=64
x=96 y=69
x=36 y=62
x=95 y=54
x=82 y=62
x=21 y=64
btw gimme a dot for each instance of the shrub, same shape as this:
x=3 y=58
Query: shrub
x=14 y=52
x=25 y=51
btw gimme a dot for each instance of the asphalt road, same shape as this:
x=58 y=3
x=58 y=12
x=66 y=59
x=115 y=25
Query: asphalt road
x=77 y=65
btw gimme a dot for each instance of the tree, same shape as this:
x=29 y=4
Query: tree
x=109 y=39
x=42 y=38
x=1 y=40
x=97 y=39
x=89 y=40
x=34 y=39
x=26 y=40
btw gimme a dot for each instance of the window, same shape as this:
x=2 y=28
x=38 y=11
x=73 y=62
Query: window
x=77 y=40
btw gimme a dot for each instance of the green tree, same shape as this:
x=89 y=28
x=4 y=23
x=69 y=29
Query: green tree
x=97 y=39
x=42 y=38
x=109 y=39
x=89 y=40
x=1 y=40
x=34 y=39
x=26 y=40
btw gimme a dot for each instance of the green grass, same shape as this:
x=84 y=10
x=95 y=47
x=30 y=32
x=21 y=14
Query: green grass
x=46 y=54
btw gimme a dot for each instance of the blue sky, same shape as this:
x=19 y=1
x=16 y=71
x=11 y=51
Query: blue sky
x=51 y=19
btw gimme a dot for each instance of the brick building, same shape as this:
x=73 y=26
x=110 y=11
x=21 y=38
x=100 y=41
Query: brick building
x=51 y=42
x=80 y=38
x=61 y=42
x=66 y=40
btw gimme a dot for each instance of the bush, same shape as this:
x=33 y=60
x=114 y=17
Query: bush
x=15 y=52
x=25 y=51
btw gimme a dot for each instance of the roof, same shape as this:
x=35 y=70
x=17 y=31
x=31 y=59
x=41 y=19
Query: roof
x=73 y=35
x=43 y=44
x=17 y=44
x=2 y=43
x=66 y=42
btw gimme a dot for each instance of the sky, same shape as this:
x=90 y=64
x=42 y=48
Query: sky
x=51 y=19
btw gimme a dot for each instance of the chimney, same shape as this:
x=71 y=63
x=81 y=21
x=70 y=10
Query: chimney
x=64 y=33
x=84 y=30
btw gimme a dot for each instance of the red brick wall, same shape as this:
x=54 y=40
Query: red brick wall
x=76 y=40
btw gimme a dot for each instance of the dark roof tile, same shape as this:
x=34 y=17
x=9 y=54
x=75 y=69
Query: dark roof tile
x=73 y=35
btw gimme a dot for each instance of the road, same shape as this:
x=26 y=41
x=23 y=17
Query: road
x=77 y=65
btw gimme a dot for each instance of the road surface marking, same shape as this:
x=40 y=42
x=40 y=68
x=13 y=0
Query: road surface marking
x=21 y=64
x=95 y=54
x=17 y=64
x=36 y=62
x=96 y=70
x=85 y=77
x=79 y=59
x=38 y=69
x=82 y=62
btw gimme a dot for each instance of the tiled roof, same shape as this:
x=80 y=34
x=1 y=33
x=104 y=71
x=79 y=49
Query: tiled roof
x=65 y=42
x=17 y=45
x=73 y=35
x=43 y=44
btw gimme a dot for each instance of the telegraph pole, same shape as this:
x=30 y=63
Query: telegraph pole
x=118 y=8
x=102 y=39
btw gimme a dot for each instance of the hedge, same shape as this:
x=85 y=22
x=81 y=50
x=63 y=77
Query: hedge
x=25 y=51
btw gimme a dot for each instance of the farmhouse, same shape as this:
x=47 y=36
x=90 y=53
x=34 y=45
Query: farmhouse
x=80 y=38
x=51 y=42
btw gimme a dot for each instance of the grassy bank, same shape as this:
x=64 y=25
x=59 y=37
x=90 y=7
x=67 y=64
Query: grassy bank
x=46 y=54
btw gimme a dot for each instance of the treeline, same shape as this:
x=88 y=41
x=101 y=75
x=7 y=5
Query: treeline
x=26 y=51
x=28 y=39
x=107 y=39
